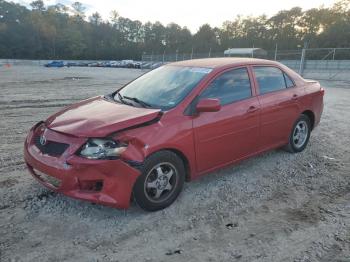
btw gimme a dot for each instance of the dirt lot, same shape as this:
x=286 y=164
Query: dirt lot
x=275 y=207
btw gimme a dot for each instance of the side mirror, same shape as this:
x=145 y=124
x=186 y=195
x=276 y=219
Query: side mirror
x=208 y=105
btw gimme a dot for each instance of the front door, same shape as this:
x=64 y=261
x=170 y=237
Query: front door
x=233 y=132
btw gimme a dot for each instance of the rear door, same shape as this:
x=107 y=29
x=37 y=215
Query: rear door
x=231 y=133
x=279 y=103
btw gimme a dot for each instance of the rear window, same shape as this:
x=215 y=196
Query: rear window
x=269 y=79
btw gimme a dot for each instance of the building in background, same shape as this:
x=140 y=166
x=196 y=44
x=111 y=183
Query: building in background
x=246 y=52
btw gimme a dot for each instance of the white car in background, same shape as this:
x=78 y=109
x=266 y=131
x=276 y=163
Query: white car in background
x=127 y=63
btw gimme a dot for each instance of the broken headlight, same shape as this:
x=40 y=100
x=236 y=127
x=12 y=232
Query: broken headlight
x=97 y=148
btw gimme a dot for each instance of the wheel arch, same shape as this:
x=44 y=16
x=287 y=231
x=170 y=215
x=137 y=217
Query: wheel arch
x=311 y=116
x=184 y=159
x=182 y=156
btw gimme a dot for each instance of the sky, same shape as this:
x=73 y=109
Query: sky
x=190 y=13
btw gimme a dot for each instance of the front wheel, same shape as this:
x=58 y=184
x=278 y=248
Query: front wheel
x=160 y=182
x=299 y=137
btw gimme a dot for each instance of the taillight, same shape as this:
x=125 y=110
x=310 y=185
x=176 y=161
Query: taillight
x=322 y=90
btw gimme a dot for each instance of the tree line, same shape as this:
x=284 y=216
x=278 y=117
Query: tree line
x=65 y=32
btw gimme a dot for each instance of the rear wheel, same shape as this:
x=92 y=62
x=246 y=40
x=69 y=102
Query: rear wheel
x=160 y=182
x=299 y=137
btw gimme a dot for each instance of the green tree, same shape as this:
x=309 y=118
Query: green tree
x=78 y=10
x=62 y=32
x=205 y=39
x=38 y=5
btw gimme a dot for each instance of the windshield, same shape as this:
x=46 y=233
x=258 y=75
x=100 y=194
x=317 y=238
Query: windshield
x=163 y=88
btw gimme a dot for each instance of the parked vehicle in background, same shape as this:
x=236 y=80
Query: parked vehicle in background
x=156 y=65
x=101 y=64
x=175 y=123
x=82 y=64
x=69 y=64
x=115 y=63
x=146 y=65
x=55 y=64
x=93 y=64
x=127 y=63
x=137 y=64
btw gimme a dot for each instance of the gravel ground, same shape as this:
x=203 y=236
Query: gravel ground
x=274 y=207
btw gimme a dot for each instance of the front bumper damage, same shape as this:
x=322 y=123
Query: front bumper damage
x=107 y=182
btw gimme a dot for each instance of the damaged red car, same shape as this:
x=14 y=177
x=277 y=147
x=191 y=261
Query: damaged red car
x=172 y=125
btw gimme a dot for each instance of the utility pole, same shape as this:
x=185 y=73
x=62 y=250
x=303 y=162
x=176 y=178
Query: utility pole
x=192 y=53
x=276 y=52
x=302 y=60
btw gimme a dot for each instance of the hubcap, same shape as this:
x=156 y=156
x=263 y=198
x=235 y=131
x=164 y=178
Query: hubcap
x=300 y=134
x=160 y=182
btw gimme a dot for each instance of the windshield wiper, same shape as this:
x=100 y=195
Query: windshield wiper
x=120 y=97
x=142 y=103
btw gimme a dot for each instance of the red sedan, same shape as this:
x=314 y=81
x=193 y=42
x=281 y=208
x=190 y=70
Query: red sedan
x=172 y=125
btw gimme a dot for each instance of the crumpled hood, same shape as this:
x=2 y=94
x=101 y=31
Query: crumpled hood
x=97 y=117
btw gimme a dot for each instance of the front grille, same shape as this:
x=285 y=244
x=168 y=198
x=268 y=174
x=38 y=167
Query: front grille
x=50 y=148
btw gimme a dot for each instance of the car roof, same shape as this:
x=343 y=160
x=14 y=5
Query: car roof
x=222 y=62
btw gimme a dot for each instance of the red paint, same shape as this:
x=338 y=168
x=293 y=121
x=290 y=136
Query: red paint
x=208 y=105
x=96 y=117
x=213 y=137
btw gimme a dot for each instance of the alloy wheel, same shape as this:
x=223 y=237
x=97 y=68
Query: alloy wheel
x=300 y=133
x=160 y=182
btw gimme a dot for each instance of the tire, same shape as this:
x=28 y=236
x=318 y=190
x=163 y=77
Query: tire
x=297 y=143
x=161 y=181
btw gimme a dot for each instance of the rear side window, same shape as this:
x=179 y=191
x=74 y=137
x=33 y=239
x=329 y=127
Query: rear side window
x=231 y=86
x=269 y=79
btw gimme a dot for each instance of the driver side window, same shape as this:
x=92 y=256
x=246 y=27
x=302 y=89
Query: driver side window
x=231 y=86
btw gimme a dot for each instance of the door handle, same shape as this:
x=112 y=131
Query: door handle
x=295 y=97
x=252 y=109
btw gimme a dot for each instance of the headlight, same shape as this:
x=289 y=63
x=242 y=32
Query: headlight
x=96 y=148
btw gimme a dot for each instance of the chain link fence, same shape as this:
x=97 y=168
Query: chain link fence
x=318 y=63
